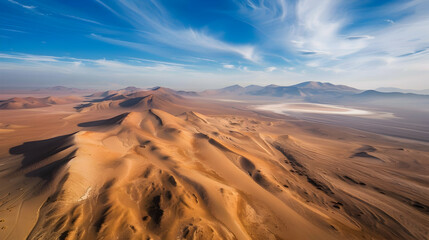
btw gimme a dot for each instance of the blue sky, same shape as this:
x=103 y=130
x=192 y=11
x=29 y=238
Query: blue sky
x=204 y=44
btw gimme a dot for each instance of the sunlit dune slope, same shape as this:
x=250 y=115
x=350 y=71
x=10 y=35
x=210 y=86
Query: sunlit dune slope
x=32 y=102
x=160 y=98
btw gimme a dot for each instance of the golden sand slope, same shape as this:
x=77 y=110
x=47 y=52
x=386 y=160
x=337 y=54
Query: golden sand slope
x=159 y=98
x=33 y=102
x=152 y=175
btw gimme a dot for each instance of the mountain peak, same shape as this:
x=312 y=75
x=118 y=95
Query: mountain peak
x=312 y=84
x=162 y=90
x=131 y=88
x=236 y=86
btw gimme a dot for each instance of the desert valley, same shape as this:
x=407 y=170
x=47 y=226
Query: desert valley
x=164 y=164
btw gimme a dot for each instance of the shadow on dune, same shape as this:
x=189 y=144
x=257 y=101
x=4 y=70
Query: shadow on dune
x=82 y=106
x=110 y=97
x=45 y=157
x=132 y=102
x=105 y=122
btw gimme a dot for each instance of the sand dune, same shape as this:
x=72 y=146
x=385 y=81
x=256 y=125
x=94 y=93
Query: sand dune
x=156 y=98
x=159 y=98
x=124 y=91
x=32 y=102
x=142 y=168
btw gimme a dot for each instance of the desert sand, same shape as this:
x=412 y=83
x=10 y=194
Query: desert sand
x=34 y=102
x=156 y=165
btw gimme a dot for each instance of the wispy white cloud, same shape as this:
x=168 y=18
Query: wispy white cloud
x=156 y=26
x=29 y=57
x=318 y=29
x=402 y=45
x=228 y=66
x=204 y=59
x=134 y=65
x=108 y=7
x=138 y=46
x=22 y=5
x=198 y=41
x=161 y=62
x=270 y=69
x=117 y=66
x=359 y=37
x=320 y=37
x=12 y=30
x=264 y=11
x=82 y=19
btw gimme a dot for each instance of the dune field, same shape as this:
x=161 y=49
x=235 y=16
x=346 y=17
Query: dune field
x=156 y=165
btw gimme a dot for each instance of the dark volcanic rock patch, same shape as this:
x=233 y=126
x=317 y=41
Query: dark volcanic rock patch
x=154 y=210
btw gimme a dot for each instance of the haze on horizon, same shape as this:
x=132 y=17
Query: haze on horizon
x=199 y=44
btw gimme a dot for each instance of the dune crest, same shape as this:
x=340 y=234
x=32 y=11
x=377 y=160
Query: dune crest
x=32 y=102
x=160 y=98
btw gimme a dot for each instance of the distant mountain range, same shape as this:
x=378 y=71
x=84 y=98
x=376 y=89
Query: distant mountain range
x=391 y=89
x=301 y=90
x=316 y=92
x=319 y=92
x=389 y=99
x=60 y=89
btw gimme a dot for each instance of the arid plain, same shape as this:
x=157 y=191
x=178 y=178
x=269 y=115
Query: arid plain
x=158 y=164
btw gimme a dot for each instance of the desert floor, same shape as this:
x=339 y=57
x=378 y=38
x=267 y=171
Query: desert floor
x=169 y=167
